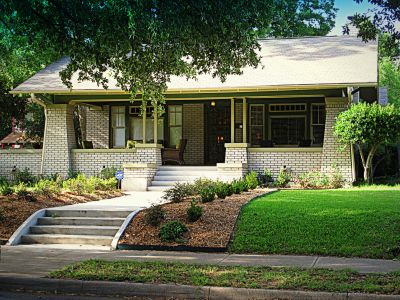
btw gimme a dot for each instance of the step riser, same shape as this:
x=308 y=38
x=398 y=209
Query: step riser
x=159 y=188
x=87 y=213
x=81 y=222
x=187 y=174
x=73 y=231
x=38 y=239
x=187 y=168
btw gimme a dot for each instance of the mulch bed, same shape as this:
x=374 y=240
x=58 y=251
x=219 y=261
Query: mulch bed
x=15 y=211
x=211 y=232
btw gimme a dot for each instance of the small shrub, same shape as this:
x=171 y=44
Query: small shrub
x=5 y=189
x=46 y=187
x=194 y=212
x=207 y=194
x=154 y=215
x=179 y=192
x=251 y=180
x=284 y=178
x=237 y=187
x=172 y=231
x=24 y=176
x=202 y=183
x=76 y=185
x=22 y=192
x=73 y=174
x=2 y=215
x=4 y=181
x=222 y=190
x=107 y=173
x=229 y=189
x=336 y=179
x=268 y=175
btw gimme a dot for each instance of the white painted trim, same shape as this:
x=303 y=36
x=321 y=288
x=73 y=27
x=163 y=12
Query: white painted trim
x=287 y=149
x=15 y=239
x=112 y=150
x=121 y=230
x=20 y=151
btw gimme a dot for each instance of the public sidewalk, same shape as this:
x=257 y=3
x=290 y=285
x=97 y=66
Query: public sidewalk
x=37 y=261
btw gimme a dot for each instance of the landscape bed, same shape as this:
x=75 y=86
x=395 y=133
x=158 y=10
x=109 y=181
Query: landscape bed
x=355 y=222
x=212 y=232
x=16 y=210
x=232 y=276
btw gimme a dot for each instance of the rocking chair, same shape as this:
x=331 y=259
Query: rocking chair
x=176 y=155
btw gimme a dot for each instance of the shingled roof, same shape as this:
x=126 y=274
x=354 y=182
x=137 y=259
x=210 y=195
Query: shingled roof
x=311 y=61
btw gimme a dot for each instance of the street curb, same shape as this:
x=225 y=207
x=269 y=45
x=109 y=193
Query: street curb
x=167 y=291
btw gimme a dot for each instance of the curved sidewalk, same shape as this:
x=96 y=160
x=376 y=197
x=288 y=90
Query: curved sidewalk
x=39 y=261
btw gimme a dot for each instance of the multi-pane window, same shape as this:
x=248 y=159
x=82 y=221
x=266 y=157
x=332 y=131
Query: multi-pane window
x=174 y=124
x=318 y=116
x=118 y=125
x=256 y=123
x=136 y=125
x=288 y=130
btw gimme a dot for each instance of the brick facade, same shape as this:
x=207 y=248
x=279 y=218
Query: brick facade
x=21 y=159
x=274 y=160
x=97 y=126
x=193 y=131
x=331 y=156
x=59 y=139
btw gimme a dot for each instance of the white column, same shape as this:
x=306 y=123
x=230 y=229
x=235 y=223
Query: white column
x=232 y=120
x=155 y=124
x=144 y=123
x=244 y=120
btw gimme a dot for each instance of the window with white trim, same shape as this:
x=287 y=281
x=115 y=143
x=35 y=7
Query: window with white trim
x=257 y=118
x=318 y=116
x=118 y=126
x=136 y=125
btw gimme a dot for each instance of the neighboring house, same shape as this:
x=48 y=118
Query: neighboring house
x=279 y=114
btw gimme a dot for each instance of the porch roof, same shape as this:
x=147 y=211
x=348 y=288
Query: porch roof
x=299 y=62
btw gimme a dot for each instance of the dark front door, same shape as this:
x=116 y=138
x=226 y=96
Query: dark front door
x=217 y=130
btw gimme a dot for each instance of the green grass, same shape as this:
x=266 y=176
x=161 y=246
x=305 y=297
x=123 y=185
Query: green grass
x=232 y=276
x=363 y=222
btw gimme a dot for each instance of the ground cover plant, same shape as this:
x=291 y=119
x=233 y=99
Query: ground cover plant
x=28 y=193
x=232 y=276
x=361 y=222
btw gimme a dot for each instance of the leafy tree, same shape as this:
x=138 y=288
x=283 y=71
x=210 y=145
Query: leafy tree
x=383 y=18
x=143 y=43
x=34 y=122
x=368 y=126
x=389 y=76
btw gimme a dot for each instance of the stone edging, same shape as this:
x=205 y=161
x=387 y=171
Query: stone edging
x=163 y=291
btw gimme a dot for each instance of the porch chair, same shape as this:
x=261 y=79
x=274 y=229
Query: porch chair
x=174 y=154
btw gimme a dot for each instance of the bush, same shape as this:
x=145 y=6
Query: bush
x=179 y=192
x=251 y=180
x=313 y=179
x=73 y=174
x=5 y=189
x=283 y=178
x=222 y=190
x=47 y=187
x=194 y=212
x=24 y=176
x=237 y=187
x=336 y=179
x=268 y=175
x=4 y=181
x=172 y=231
x=22 y=192
x=76 y=185
x=202 y=183
x=154 y=215
x=229 y=189
x=207 y=194
x=108 y=173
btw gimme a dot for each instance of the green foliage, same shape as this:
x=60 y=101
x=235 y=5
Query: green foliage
x=389 y=76
x=222 y=190
x=251 y=180
x=25 y=176
x=207 y=194
x=313 y=179
x=34 y=122
x=202 y=183
x=179 y=192
x=336 y=179
x=22 y=192
x=3 y=180
x=172 y=231
x=220 y=37
x=283 y=179
x=47 y=187
x=238 y=186
x=194 y=212
x=107 y=173
x=368 y=126
x=154 y=215
x=5 y=189
x=72 y=173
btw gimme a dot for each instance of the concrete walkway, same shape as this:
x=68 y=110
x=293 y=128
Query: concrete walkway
x=36 y=261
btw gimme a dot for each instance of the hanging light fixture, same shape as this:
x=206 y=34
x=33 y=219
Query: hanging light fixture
x=213 y=103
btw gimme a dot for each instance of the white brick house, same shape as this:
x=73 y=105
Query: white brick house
x=279 y=114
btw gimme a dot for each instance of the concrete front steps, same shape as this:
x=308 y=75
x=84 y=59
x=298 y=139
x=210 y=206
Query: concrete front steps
x=83 y=227
x=167 y=176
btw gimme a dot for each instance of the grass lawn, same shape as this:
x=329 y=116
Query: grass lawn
x=232 y=276
x=363 y=222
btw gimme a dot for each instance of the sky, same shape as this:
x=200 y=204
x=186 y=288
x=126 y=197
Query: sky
x=347 y=8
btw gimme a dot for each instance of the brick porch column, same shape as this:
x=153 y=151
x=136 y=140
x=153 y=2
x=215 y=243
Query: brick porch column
x=59 y=139
x=138 y=176
x=235 y=165
x=331 y=156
